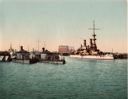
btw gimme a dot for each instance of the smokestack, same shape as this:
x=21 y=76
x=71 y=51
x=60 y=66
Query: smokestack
x=21 y=48
x=84 y=43
x=90 y=42
x=43 y=49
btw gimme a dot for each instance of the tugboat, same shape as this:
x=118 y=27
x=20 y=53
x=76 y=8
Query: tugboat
x=23 y=56
x=51 y=57
x=91 y=51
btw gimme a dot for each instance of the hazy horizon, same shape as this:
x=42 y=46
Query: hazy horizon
x=63 y=22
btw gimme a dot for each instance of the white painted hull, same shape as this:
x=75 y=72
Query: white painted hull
x=98 y=57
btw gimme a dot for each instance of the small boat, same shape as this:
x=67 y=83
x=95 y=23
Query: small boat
x=51 y=57
x=23 y=56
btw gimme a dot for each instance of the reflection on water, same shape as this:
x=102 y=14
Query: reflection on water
x=78 y=79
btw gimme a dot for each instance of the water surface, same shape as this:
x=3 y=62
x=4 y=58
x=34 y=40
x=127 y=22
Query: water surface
x=77 y=79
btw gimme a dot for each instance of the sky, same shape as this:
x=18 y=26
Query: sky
x=63 y=22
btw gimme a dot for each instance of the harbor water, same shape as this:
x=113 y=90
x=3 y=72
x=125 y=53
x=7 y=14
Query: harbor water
x=77 y=79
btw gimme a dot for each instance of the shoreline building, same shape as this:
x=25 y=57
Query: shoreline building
x=65 y=50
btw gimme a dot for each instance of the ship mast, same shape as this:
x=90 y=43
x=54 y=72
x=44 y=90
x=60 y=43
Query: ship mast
x=38 y=44
x=94 y=35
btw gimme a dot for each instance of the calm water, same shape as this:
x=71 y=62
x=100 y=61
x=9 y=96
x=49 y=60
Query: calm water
x=78 y=79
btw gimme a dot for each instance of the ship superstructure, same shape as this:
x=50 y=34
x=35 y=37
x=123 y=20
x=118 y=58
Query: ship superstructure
x=91 y=51
x=92 y=48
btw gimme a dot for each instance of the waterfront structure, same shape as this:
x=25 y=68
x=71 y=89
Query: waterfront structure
x=65 y=49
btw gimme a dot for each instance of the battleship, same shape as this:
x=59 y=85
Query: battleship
x=91 y=51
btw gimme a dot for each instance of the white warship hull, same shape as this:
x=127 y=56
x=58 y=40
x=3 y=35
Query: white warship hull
x=96 y=57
